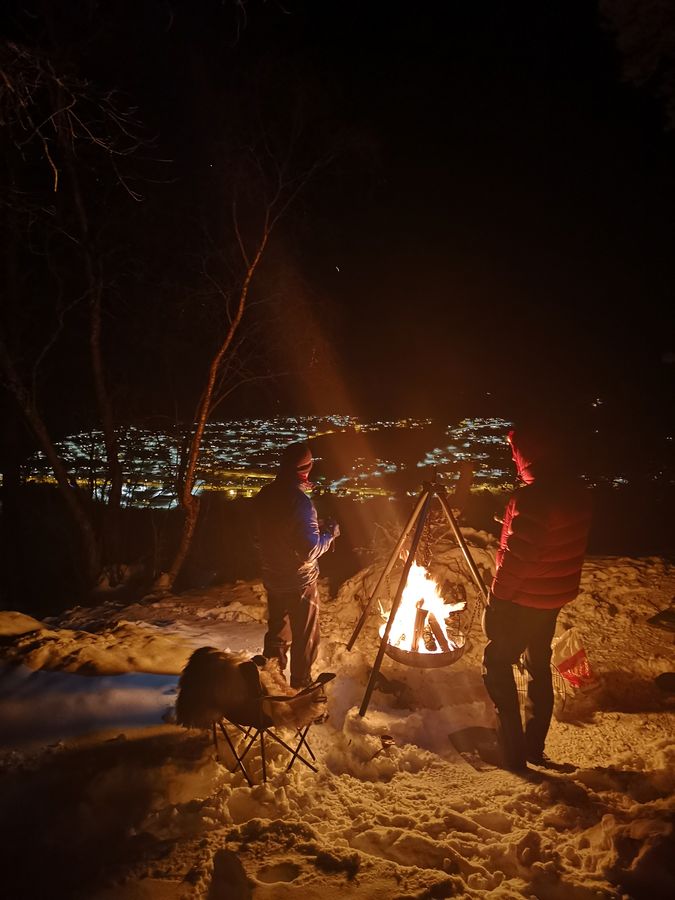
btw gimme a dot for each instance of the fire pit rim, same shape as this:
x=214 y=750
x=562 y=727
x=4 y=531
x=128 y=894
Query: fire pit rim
x=425 y=660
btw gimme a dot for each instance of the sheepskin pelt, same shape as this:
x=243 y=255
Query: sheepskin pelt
x=213 y=686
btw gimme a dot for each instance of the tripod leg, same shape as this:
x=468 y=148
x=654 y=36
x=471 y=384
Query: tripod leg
x=388 y=567
x=459 y=537
x=395 y=605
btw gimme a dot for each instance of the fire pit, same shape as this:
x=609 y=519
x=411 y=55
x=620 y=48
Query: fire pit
x=438 y=645
x=419 y=633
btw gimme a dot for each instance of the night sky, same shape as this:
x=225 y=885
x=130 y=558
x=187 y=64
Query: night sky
x=494 y=229
x=516 y=237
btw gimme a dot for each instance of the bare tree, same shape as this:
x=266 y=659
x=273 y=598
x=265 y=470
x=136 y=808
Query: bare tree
x=262 y=190
x=55 y=124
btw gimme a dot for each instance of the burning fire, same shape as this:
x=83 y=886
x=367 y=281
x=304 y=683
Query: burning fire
x=420 y=622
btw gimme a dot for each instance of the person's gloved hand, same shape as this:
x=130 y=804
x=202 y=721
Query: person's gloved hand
x=334 y=529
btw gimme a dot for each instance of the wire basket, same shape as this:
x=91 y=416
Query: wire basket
x=560 y=688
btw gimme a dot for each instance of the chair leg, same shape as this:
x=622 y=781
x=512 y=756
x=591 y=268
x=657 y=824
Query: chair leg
x=238 y=759
x=294 y=753
x=251 y=741
x=250 y=735
x=303 y=740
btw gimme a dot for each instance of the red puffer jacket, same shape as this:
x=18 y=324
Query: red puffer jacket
x=545 y=532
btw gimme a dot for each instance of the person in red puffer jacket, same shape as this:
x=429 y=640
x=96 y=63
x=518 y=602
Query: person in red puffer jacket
x=541 y=552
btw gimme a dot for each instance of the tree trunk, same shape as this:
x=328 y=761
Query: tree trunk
x=187 y=533
x=111 y=522
x=111 y=512
x=73 y=499
x=190 y=503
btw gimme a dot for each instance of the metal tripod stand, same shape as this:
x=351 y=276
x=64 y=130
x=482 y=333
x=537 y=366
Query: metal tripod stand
x=417 y=519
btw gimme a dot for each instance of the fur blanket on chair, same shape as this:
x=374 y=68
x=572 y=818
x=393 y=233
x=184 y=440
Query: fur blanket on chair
x=212 y=686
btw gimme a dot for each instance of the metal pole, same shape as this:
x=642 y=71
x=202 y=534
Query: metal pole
x=395 y=605
x=390 y=565
x=459 y=537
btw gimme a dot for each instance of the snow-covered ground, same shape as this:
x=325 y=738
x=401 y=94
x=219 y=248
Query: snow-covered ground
x=103 y=796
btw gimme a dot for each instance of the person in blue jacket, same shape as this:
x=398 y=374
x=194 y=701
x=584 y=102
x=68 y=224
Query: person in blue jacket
x=290 y=542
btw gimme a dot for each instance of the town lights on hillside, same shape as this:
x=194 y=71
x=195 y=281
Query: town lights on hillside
x=420 y=624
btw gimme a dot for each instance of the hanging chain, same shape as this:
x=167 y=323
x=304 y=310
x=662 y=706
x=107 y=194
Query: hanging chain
x=476 y=605
x=424 y=554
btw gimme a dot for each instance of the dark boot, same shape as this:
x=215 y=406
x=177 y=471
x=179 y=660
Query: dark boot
x=511 y=742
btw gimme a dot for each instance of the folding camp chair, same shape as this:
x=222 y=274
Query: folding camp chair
x=258 y=719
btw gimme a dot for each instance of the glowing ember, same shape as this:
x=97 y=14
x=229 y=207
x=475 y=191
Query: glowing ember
x=420 y=623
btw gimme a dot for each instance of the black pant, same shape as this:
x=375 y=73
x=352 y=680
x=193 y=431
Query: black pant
x=512 y=631
x=293 y=620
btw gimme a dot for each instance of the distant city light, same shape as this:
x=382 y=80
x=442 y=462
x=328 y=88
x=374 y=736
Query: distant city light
x=239 y=456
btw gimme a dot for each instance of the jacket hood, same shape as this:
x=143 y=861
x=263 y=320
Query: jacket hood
x=534 y=452
x=296 y=462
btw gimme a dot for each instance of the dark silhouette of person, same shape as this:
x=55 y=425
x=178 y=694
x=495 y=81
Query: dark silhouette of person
x=290 y=542
x=541 y=552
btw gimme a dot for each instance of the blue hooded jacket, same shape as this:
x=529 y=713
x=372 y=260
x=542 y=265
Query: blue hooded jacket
x=288 y=536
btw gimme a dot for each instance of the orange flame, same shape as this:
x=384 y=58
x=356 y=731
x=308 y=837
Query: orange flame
x=420 y=592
